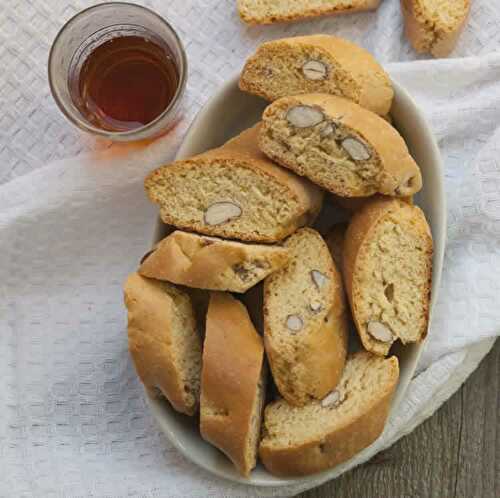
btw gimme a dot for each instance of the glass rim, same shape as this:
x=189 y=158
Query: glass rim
x=83 y=124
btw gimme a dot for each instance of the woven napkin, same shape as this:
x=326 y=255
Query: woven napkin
x=73 y=419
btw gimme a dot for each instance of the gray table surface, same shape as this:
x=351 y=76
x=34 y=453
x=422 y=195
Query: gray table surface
x=454 y=454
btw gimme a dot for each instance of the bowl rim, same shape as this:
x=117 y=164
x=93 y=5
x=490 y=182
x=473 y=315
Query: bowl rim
x=439 y=235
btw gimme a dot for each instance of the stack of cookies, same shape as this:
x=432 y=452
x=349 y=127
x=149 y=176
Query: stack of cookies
x=243 y=311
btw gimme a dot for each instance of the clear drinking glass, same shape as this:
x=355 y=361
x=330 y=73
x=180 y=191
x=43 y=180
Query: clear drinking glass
x=83 y=33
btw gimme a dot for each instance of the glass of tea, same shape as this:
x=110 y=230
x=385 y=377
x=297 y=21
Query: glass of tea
x=118 y=70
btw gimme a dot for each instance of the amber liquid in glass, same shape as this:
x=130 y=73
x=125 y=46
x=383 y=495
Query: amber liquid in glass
x=126 y=83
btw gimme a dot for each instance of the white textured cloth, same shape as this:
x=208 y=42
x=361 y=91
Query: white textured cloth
x=73 y=421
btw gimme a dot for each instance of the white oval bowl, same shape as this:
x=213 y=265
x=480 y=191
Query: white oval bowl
x=229 y=112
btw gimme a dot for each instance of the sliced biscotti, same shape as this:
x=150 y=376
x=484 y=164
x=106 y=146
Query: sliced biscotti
x=387 y=271
x=233 y=382
x=305 y=323
x=322 y=434
x=318 y=64
x=234 y=191
x=163 y=341
x=340 y=146
x=212 y=263
x=271 y=11
x=433 y=26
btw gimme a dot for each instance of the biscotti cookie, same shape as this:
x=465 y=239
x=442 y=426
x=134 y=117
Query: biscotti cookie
x=163 y=341
x=322 y=434
x=338 y=145
x=271 y=11
x=212 y=263
x=232 y=382
x=305 y=323
x=433 y=26
x=234 y=191
x=387 y=271
x=318 y=64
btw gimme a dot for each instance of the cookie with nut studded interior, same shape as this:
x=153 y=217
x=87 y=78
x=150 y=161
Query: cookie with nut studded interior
x=318 y=64
x=387 y=269
x=305 y=321
x=212 y=263
x=338 y=145
x=324 y=433
x=234 y=192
